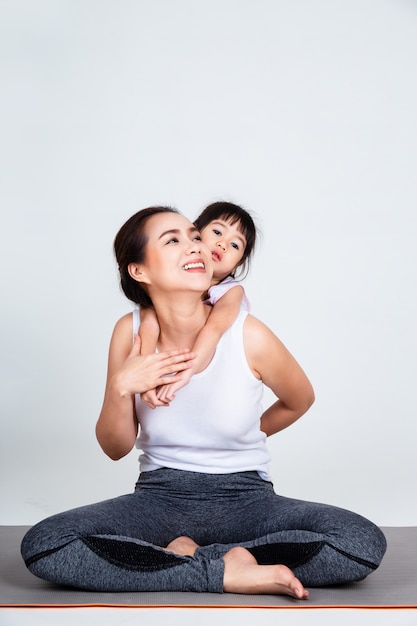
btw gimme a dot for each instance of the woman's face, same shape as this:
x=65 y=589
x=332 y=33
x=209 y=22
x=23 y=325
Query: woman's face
x=175 y=257
x=226 y=244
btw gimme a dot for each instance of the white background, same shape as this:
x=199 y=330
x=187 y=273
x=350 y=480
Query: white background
x=303 y=111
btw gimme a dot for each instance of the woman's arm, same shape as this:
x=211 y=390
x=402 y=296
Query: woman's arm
x=271 y=362
x=130 y=373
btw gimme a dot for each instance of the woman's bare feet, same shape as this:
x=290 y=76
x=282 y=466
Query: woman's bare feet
x=183 y=546
x=242 y=574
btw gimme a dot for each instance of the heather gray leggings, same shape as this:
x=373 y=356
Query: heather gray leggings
x=116 y=545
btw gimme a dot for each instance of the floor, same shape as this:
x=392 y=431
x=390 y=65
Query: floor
x=207 y=617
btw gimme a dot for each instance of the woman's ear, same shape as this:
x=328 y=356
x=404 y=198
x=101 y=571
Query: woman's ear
x=138 y=273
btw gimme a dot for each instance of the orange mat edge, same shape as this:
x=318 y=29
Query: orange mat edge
x=210 y=606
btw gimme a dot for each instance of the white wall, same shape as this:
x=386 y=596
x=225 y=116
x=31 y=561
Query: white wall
x=304 y=111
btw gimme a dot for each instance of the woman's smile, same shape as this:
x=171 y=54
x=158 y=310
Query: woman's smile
x=197 y=265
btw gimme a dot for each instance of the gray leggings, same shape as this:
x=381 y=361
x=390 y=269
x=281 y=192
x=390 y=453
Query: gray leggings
x=116 y=545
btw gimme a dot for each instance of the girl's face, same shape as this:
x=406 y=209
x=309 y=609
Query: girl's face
x=226 y=244
x=175 y=257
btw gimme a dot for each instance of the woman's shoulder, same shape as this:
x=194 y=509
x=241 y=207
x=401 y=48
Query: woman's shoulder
x=258 y=338
x=125 y=321
x=254 y=325
x=121 y=339
x=124 y=327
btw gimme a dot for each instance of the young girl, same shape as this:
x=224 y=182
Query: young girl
x=229 y=232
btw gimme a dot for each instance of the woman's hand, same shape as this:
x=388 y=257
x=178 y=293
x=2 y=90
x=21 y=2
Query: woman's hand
x=140 y=374
x=165 y=393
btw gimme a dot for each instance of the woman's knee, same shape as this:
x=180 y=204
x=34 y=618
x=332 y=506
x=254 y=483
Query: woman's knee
x=48 y=536
x=379 y=543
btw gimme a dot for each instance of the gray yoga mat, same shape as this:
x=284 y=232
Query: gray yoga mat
x=394 y=584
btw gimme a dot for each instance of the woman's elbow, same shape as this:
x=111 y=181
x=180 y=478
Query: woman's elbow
x=115 y=455
x=309 y=399
x=113 y=447
x=114 y=452
x=305 y=398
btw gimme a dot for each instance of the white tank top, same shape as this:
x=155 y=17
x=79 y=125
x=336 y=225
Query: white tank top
x=213 y=425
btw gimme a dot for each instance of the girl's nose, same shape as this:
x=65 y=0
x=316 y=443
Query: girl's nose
x=221 y=245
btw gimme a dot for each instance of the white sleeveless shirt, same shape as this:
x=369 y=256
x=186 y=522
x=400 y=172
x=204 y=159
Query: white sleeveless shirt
x=213 y=424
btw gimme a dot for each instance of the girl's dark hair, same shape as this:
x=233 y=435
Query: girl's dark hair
x=234 y=214
x=129 y=247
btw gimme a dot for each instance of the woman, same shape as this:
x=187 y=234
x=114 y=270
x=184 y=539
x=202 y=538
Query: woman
x=204 y=516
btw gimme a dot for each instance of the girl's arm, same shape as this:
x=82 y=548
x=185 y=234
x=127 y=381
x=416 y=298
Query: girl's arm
x=130 y=373
x=221 y=317
x=272 y=363
x=223 y=314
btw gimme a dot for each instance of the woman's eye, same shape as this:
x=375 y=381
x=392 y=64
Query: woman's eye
x=197 y=238
x=172 y=240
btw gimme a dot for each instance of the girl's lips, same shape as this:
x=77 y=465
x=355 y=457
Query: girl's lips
x=216 y=256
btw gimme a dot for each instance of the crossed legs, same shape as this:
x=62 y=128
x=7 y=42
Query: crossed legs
x=242 y=574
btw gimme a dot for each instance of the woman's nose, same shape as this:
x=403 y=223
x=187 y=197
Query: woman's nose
x=194 y=247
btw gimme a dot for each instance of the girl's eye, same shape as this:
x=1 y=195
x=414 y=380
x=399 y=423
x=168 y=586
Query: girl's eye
x=235 y=246
x=216 y=232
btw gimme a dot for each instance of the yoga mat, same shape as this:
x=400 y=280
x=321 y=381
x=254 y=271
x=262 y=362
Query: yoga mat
x=392 y=585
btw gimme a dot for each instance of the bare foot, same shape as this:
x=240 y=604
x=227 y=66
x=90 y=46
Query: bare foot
x=183 y=546
x=242 y=574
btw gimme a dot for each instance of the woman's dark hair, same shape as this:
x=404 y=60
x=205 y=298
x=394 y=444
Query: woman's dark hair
x=234 y=214
x=129 y=247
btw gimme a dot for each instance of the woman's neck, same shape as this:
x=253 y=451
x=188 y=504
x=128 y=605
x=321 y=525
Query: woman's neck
x=180 y=321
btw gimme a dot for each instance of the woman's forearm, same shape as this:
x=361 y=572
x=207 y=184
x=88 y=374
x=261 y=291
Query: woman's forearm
x=117 y=426
x=279 y=416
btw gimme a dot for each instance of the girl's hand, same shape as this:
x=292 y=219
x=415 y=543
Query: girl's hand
x=151 y=399
x=166 y=393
